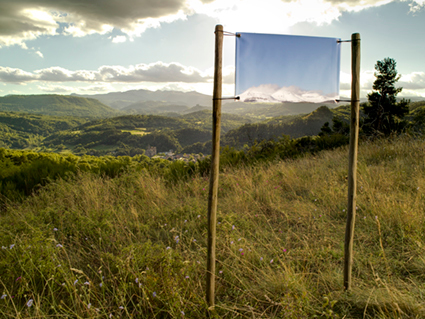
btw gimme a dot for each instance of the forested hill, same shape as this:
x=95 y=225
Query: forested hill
x=56 y=105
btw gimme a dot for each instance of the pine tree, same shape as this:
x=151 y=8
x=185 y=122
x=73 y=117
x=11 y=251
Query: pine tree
x=384 y=114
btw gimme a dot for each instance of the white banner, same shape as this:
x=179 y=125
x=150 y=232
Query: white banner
x=287 y=68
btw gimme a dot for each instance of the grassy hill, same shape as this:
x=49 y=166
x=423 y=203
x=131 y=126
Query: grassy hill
x=56 y=105
x=135 y=245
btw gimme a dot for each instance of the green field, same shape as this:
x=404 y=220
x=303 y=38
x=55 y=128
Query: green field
x=134 y=245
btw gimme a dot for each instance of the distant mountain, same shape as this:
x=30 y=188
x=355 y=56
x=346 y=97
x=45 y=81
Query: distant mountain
x=56 y=105
x=120 y=100
x=154 y=107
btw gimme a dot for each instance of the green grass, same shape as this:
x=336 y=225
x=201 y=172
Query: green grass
x=138 y=131
x=137 y=243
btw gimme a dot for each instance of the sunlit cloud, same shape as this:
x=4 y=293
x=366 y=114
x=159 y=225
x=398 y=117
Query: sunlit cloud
x=154 y=72
x=119 y=39
x=24 y=20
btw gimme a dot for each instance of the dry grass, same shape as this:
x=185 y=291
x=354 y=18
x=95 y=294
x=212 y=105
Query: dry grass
x=139 y=243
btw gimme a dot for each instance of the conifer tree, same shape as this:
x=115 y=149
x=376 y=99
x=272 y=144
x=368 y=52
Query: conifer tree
x=384 y=114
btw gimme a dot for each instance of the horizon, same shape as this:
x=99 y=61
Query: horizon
x=50 y=47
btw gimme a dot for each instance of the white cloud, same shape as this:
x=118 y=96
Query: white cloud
x=417 y=5
x=119 y=39
x=24 y=20
x=17 y=76
x=154 y=72
x=413 y=81
x=39 y=54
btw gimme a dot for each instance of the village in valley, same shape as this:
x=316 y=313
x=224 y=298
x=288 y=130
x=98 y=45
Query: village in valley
x=171 y=156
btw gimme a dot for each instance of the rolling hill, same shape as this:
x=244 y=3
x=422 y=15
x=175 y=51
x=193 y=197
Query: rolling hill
x=56 y=105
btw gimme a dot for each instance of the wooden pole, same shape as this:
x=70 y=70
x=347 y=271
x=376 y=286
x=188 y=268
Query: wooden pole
x=215 y=160
x=352 y=158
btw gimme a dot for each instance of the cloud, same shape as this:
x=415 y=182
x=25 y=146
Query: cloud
x=413 y=81
x=417 y=5
x=24 y=20
x=17 y=76
x=39 y=54
x=154 y=72
x=119 y=39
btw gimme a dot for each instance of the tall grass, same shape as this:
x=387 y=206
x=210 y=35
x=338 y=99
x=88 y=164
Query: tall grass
x=135 y=245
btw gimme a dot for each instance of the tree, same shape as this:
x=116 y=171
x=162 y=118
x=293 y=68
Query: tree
x=383 y=114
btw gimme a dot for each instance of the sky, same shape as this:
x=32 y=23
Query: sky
x=308 y=63
x=101 y=46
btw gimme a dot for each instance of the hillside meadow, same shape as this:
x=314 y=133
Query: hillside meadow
x=134 y=246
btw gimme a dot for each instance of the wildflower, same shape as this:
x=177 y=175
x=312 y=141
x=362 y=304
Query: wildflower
x=101 y=284
x=284 y=250
x=168 y=248
x=261 y=258
x=343 y=210
x=137 y=280
x=59 y=245
x=111 y=315
x=29 y=303
x=271 y=261
x=154 y=294
x=87 y=283
x=75 y=282
x=20 y=277
x=185 y=220
x=3 y=296
x=239 y=239
x=11 y=246
x=63 y=284
x=121 y=307
x=182 y=312
x=220 y=272
x=89 y=305
x=187 y=277
x=233 y=227
x=240 y=249
x=242 y=254
x=231 y=243
x=2 y=247
x=55 y=229
x=199 y=216
x=194 y=240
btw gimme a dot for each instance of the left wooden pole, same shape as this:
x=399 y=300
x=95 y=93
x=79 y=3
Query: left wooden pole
x=215 y=161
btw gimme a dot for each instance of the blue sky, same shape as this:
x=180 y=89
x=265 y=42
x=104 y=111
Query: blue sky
x=99 y=46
